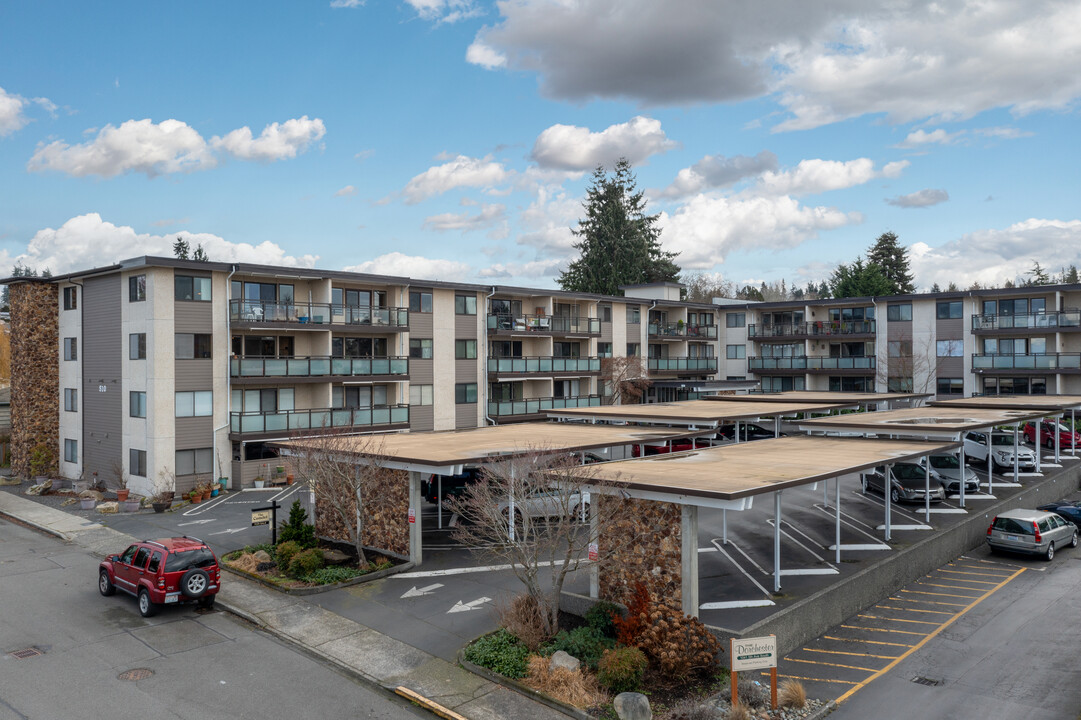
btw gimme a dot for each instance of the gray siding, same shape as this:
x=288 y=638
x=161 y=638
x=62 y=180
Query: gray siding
x=193 y=317
x=421 y=417
x=465 y=326
x=193 y=432
x=101 y=353
x=950 y=329
x=466 y=370
x=420 y=325
x=606 y=336
x=465 y=416
x=194 y=374
x=421 y=372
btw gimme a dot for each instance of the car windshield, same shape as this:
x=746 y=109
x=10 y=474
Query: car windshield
x=188 y=559
x=908 y=472
x=1002 y=440
x=945 y=462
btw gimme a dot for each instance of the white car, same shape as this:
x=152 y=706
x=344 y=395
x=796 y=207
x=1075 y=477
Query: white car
x=1002 y=444
x=543 y=503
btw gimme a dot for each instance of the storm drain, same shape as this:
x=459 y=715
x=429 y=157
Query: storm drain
x=26 y=653
x=135 y=674
x=920 y=680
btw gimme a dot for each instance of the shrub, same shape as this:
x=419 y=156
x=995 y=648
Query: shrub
x=297 y=529
x=305 y=562
x=602 y=617
x=739 y=712
x=621 y=669
x=585 y=643
x=692 y=709
x=790 y=693
x=523 y=617
x=751 y=693
x=630 y=626
x=569 y=686
x=285 y=552
x=334 y=574
x=500 y=652
x=678 y=646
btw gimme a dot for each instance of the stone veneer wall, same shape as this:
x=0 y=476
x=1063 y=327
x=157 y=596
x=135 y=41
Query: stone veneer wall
x=35 y=372
x=654 y=558
x=386 y=517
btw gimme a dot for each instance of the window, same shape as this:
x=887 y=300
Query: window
x=606 y=313
x=420 y=302
x=420 y=394
x=634 y=349
x=137 y=463
x=736 y=352
x=735 y=319
x=71 y=451
x=194 y=462
x=899 y=384
x=71 y=298
x=137 y=346
x=71 y=399
x=137 y=404
x=195 y=404
x=604 y=349
x=634 y=314
x=465 y=304
x=951 y=348
x=566 y=349
x=736 y=378
x=901 y=312
x=949 y=310
x=189 y=346
x=71 y=348
x=421 y=349
x=465 y=393
x=137 y=288
x=951 y=386
x=192 y=288
x=465 y=349
x=899 y=348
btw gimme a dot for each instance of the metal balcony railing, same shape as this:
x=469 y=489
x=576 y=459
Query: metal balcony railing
x=545 y=324
x=543 y=364
x=1034 y=321
x=805 y=362
x=1045 y=361
x=285 y=421
x=257 y=311
x=320 y=366
x=708 y=332
x=817 y=328
x=683 y=364
x=531 y=406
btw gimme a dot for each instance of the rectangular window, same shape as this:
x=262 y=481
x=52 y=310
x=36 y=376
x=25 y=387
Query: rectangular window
x=951 y=348
x=606 y=313
x=736 y=352
x=71 y=298
x=735 y=319
x=420 y=348
x=634 y=315
x=137 y=288
x=899 y=384
x=137 y=463
x=420 y=394
x=465 y=393
x=71 y=451
x=190 y=346
x=137 y=403
x=71 y=348
x=194 y=462
x=950 y=386
x=634 y=349
x=195 y=404
x=465 y=304
x=192 y=288
x=604 y=349
x=137 y=346
x=949 y=310
x=899 y=348
x=420 y=302
x=71 y=399
x=465 y=349
x=900 y=312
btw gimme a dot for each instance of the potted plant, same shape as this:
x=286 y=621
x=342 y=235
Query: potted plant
x=259 y=481
x=162 y=498
x=195 y=497
x=87 y=502
x=289 y=479
x=132 y=504
x=121 y=481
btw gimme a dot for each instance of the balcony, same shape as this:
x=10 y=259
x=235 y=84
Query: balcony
x=260 y=425
x=804 y=330
x=1069 y=321
x=544 y=365
x=520 y=409
x=813 y=363
x=318 y=368
x=678 y=331
x=316 y=316
x=683 y=365
x=544 y=324
x=1043 y=363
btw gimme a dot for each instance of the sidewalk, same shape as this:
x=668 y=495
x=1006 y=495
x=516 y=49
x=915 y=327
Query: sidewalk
x=352 y=647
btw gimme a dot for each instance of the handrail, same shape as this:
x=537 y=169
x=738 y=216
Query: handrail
x=544 y=323
x=317 y=366
x=258 y=311
x=541 y=364
x=811 y=362
x=656 y=329
x=682 y=364
x=318 y=419
x=813 y=328
x=530 y=406
x=1035 y=361
x=1068 y=318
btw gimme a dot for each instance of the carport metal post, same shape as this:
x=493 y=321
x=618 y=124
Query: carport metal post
x=439 y=499
x=724 y=527
x=416 y=554
x=927 y=486
x=594 y=567
x=1037 y=424
x=777 y=541
x=887 y=489
x=737 y=430
x=1058 y=419
x=688 y=528
x=990 y=462
x=777 y=426
x=837 y=524
x=510 y=507
x=1016 y=459
x=961 y=480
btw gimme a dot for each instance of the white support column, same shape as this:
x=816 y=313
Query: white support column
x=777 y=426
x=1058 y=439
x=688 y=529
x=439 y=499
x=594 y=568
x=962 y=476
x=510 y=506
x=1036 y=436
x=990 y=461
x=724 y=527
x=737 y=430
x=887 y=489
x=1016 y=459
x=837 y=522
x=927 y=487
x=777 y=541
x=416 y=554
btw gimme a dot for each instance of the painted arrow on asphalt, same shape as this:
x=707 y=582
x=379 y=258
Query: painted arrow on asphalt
x=413 y=592
x=466 y=607
x=230 y=531
x=195 y=522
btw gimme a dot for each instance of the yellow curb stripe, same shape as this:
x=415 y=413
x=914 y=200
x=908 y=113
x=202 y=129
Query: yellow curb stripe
x=874 y=629
x=925 y=602
x=811 y=679
x=870 y=642
x=842 y=652
x=951 y=587
x=935 y=612
x=921 y=592
x=846 y=667
x=883 y=617
x=962 y=572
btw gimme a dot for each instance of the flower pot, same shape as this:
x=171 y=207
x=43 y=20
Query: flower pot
x=214 y=492
x=206 y=496
x=259 y=483
x=289 y=480
x=87 y=503
x=160 y=507
x=196 y=499
x=122 y=494
x=131 y=506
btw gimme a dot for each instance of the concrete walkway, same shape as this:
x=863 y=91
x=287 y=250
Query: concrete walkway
x=352 y=647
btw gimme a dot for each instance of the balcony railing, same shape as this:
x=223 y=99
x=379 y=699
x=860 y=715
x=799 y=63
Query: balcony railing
x=285 y=421
x=805 y=362
x=1048 y=361
x=256 y=311
x=813 y=329
x=1036 y=321
x=708 y=332
x=543 y=364
x=294 y=367
x=532 y=406
x=545 y=324
x=683 y=364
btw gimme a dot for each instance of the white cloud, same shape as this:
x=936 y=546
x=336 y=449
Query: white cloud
x=716 y=171
x=444 y=11
x=278 y=141
x=87 y=241
x=528 y=270
x=816 y=176
x=568 y=147
x=167 y=222
x=346 y=191
x=920 y=138
x=462 y=171
x=1002 y=133
x=546 y=224
x=920 y=199
x=346 y=3
x=13 y=111
x=396 y=263
x=484 y=55
x=489 y=216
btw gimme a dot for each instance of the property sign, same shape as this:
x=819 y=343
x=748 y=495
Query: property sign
x=412 y=515
x=754 y=653
x=260 y=517
x=594 y=552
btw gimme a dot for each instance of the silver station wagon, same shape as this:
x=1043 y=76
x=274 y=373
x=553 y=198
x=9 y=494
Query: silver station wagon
x=1030 y=531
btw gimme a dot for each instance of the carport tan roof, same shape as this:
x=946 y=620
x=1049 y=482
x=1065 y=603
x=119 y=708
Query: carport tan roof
x=1017 y=402
x=693 y=411
x=930 y=420
x=730 y=472
x=811 y=396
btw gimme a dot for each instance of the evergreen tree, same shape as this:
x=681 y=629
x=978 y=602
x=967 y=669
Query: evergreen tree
x=181 y=249
x=952 y=287
x=1038 y=275
x=618 y=242
x=200 y=255
x=892 y=258
x=1069 y=275
x=935 y=288
x=860 y=280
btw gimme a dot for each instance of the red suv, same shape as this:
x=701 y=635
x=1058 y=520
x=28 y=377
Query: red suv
x=1066 y=437
x=162 y=572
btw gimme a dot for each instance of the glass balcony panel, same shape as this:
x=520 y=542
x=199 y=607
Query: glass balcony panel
x=273 y=367
x=377 y=366
x=251 y=367
x=251 y=423
x=276 y=421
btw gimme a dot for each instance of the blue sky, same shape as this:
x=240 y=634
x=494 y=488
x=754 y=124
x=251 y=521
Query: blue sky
x=454 y=138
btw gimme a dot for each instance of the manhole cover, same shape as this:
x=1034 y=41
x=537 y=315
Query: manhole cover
x=135 y=674
x=26 y=653
x=925 y=681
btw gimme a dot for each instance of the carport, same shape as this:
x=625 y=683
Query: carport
x=1056 y=405
x=886 y=401
x=731 y=476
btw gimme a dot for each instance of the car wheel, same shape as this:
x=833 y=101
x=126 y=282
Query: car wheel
x=146 y=607
x=1073 y=539
x=895 y=496
x=105 y=585
x=1050 y=554
x=1050 y=443
x=207 y=602
x=194 y=583
x=581 y=511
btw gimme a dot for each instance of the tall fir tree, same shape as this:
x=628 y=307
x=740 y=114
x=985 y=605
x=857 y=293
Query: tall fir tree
x=892 y=257
x=181 y=249
x=618 y=242
x=860 y=280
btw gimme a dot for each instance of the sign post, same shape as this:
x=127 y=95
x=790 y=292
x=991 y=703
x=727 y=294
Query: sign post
x=755 y=654
x=267 y=516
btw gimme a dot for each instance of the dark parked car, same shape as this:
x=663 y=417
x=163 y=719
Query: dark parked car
x=162 y=572
x=908 y=482
x=1070 y=511
x=451 y=485
x=747 y=431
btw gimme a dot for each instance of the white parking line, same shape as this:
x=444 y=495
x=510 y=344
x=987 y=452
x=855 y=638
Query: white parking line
x=733 y=604
x=894 y=526
x=949 y=511
x=973 y=496
x=468 y=570
x=740 y=568
x=866 y=546
x=783 y=532
x=849 y=521
x=812 y=571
